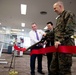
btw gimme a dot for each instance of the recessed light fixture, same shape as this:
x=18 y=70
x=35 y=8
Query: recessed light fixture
x=22 y=30
x=23 y=24
x=43 y=12
x=23 y=9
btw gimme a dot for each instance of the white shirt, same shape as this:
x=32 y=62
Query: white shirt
x=33 y=37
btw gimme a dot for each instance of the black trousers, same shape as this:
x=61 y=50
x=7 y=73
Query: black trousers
x=49 y=59
x=33 y=60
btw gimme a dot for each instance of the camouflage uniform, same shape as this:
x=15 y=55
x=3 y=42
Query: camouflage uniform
x=62 y=62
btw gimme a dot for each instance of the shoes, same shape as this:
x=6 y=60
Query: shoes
x=41 y=72
x=32 y=73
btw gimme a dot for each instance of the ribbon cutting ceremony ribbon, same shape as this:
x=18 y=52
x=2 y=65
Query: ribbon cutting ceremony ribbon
x=62 y=49
x=19 y=49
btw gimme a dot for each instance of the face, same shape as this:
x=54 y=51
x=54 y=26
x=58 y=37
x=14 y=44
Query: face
x=57 y=8
x=34 y=27
x=49 y=26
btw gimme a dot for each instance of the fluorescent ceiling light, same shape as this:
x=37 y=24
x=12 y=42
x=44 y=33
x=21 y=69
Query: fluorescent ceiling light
x=23 y=24
x=23 y=9
x=14 y=32
x=17 y=30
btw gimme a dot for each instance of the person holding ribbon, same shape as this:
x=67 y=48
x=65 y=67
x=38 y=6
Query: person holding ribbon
x=62 y=62
x=35 y=36
x=49 y=42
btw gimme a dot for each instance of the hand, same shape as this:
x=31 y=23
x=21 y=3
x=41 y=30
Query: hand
x=41 y=44
x=45 y=42
x=57 y=43
x=44 y=34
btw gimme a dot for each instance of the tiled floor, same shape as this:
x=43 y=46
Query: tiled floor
x=23 y=67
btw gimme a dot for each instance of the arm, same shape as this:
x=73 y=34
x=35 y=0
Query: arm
x=70 y=25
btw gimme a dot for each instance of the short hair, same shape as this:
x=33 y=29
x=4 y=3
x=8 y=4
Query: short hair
x=33 y=23
x=50 y=23
x=60 y=3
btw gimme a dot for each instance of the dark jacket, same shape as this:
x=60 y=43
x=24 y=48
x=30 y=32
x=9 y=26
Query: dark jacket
x=50 y=38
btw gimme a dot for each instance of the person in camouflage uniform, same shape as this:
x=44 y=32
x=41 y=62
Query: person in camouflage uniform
x=62 y=62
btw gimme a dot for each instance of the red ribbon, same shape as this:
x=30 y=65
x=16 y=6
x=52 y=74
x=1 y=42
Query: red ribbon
x=63 y=49
x=19 y=49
